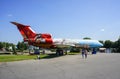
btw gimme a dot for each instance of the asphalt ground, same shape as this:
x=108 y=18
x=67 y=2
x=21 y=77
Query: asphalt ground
x=99 y=66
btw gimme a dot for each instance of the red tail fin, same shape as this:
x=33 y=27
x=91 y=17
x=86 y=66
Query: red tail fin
x=25 y=30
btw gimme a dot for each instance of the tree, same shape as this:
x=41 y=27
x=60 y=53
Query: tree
x=1 y=45
x=118 y=45
x=87 y=38
x=114 y=44
x=108 y=44
x=5 y=45
x=21 y=46
x=14 y=50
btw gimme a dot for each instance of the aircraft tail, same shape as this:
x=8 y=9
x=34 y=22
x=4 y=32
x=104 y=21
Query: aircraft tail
x=25 y=30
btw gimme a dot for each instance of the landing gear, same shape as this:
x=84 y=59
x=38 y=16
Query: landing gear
x=60 y=52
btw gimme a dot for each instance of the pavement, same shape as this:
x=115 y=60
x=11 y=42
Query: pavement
x=99 y=66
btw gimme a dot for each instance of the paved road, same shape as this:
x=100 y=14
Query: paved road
x=100 y=66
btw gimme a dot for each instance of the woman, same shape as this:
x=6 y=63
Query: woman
x=86 y=52
x=83 y=52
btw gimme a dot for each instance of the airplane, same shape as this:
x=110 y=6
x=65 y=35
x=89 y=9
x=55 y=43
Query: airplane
x=45 y=40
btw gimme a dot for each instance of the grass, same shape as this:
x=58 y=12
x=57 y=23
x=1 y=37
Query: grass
x=9 y=58
x=73 y=53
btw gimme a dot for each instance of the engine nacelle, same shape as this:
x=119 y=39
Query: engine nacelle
x=43 y=38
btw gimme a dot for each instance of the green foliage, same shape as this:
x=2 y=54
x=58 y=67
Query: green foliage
x=21 y=46
x=14 y=50
x=5 y=45
x=108 y=44
x=1 y=45
x=118 y=45
x=115 y=45
x=87 y=38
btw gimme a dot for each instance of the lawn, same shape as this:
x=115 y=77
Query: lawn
x=9 y=58
x=73 y=53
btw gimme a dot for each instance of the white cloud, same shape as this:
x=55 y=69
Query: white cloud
x=102 y=30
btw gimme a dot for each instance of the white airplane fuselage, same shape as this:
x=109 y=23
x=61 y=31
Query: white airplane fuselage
x=77 y=43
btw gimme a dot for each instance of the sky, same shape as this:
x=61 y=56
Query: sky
x=74 y=19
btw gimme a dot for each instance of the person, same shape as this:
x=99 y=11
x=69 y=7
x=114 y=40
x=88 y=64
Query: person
x=38 y=56
x=85 y=52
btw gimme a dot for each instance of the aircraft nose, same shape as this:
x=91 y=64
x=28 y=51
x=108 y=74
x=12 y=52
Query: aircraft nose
x=100 y=44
